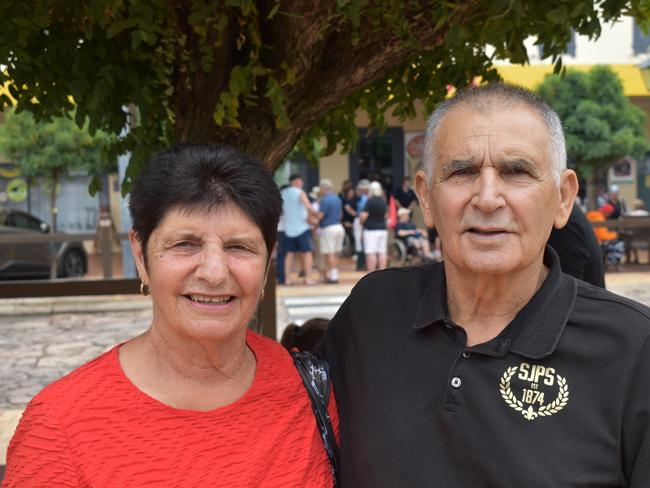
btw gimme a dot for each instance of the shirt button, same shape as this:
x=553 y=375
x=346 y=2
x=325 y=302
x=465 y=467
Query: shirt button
x=455 y=382
x=466 y=354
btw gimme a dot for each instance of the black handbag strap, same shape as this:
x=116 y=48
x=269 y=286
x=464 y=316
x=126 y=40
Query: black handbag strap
x=315 y=376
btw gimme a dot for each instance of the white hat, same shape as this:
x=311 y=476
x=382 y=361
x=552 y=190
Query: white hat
x=402 y=211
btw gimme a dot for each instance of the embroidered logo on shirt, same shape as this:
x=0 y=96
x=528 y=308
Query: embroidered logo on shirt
x=534 y=383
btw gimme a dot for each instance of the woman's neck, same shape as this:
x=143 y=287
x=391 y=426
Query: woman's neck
x=186 y=373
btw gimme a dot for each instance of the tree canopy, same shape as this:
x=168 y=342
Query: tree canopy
x=600 y=124
x=264 y=75
x=41 y=149
x=50 y=151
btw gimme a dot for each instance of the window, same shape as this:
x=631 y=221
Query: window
x=640 y=41
x=23 y=221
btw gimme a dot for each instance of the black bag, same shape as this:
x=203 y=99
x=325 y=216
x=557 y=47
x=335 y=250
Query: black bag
x=315 y=376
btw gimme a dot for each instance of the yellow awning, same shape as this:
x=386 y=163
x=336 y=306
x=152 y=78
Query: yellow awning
x=531 y=76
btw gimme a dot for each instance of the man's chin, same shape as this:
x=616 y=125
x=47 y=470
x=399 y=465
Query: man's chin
x=485 y=263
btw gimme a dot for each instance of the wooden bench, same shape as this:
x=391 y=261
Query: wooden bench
x=635 y=233
x=636 y=238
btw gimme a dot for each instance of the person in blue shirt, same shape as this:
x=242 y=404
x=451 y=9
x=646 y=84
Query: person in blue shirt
x=331 y=231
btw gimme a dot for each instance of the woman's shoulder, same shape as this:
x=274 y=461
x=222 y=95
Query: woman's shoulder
x=265 y=347
x=276 y=368
x=71 y=387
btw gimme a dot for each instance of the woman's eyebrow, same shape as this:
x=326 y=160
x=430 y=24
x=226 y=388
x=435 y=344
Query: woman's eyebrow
x=182 y=236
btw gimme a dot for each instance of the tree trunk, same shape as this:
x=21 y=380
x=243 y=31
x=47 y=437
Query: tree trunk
x=315 y=50
x=53 y=228
x=592 y=193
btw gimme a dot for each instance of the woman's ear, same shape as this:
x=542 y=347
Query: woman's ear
x=138 y=256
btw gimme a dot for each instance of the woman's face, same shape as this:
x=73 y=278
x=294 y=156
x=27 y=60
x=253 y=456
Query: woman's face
x=206 y=270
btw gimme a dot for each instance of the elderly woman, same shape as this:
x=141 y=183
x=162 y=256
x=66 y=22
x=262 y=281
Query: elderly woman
x=198 y=399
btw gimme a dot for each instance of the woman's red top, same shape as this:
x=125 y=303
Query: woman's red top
x=94 y=428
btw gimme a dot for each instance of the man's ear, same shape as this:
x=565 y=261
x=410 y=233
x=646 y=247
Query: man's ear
x=423 y=191
x=568 y=193
x=138 y=257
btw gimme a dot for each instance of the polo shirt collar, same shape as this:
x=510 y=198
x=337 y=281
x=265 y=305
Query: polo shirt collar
x=538 y=326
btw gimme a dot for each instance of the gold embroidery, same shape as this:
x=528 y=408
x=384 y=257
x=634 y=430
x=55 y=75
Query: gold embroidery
x=532 y=395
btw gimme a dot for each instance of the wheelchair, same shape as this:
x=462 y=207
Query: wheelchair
x=401 y=253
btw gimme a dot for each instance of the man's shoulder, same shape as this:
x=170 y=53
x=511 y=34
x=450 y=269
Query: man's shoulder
x=598 y=305
x=397 y=282
x=331 y=200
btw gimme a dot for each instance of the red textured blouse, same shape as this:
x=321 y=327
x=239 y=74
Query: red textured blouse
x=94 y=428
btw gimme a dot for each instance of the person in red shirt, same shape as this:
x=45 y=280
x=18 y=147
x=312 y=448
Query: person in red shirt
x=198 y=399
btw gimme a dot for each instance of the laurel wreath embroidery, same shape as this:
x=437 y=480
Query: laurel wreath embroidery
x=530 y=413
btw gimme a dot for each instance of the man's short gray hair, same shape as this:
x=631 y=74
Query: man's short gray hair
x=488 y=97
x=326 y=184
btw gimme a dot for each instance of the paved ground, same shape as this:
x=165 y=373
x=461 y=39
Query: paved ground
x=43 y=339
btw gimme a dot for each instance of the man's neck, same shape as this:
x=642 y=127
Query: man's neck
x=485 y=305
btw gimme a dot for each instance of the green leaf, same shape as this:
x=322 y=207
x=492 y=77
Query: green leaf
x=95 y=186
x=558 y=15
x=273 y=11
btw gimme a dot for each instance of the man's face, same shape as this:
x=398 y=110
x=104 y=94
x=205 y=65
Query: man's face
x=493 y=197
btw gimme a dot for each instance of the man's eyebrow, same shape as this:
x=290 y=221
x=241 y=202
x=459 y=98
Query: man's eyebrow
x=456 y=165
x=519 y=163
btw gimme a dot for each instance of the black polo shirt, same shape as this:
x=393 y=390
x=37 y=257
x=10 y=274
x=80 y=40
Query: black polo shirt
x=561 y=398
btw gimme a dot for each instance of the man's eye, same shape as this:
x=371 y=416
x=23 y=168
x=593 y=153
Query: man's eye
x=462 y=171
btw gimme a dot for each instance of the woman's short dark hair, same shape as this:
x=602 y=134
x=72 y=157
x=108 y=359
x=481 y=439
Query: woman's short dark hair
x=195 y=176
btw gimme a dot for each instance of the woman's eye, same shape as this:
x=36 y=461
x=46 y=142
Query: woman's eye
x=239 y=247
x=183 y=244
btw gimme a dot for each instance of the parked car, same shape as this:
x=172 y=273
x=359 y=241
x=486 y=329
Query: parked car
x=32 y=260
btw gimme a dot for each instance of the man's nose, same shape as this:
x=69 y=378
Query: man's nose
x=488 y=191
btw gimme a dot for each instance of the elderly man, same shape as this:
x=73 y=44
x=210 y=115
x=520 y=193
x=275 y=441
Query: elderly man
x=330 y=210
x=492 y=369
x=296 y=210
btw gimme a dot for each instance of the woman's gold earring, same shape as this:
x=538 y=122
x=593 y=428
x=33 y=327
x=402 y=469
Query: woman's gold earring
x=144 y=289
